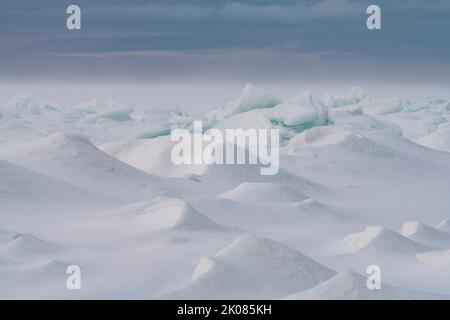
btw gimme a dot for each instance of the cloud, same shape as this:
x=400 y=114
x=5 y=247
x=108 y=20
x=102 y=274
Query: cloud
x=238 y=11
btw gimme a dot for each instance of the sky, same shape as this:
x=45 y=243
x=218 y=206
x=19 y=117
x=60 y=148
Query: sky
x=218 y=41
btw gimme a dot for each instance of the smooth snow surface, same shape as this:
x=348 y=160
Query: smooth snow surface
x=362 y=181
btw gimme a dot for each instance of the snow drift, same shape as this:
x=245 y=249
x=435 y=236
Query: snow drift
x=253 y=268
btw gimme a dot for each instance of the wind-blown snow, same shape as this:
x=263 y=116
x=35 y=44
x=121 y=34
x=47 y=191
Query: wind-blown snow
x=253 y=268
x=94 y=185
x=349 y=285
x=379 y=240
x=425 y=234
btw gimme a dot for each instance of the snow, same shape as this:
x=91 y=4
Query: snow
x=93 y=184
x=438 y=139
x=444 y=225
x=438 y=256
x=379 y=240
x=318 y=136
x=77 y=161
x=252 y=268
x=423 y=233
x=349 y=285
x=263 y=193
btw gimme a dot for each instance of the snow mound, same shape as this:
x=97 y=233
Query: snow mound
x=381 y=240
x=263 y=193
x=444 y=226
x=318 y=136
x=77 y=161
x=173 y=213
x=151 y=156
x=253 y=98
x=355 y=96
x=15 y=244
x=427 y=235
x=253 y=268
x=438 y=140
x=349 y=285
x=24 y=189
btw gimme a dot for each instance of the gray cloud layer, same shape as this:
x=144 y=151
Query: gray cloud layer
x=268 y=37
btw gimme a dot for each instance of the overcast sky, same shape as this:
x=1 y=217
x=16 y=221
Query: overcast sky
x=136 y=40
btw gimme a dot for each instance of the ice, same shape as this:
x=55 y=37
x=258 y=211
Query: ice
x=385 y=106
x=355 y=96
x=93 y=184
x=298 y=113
x=23 y=107
x=119 y=115
x=253 y=98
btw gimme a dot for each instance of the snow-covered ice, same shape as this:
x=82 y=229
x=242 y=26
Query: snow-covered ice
x=362 y=181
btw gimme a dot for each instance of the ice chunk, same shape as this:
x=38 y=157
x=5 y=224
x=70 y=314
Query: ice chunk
x=253 y=98
x=355 y=96
x=22 y=107
x=298 y=113
x=118 y=115
x=386 y=106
